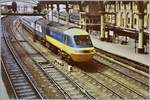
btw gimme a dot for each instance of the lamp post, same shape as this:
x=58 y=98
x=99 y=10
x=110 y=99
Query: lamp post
x=135 y=39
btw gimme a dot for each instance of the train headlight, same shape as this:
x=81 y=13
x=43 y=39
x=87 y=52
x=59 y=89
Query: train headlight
x=78 y=51
x=94 y=51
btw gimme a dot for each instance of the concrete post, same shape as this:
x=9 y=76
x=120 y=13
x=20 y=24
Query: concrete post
x=148 y=17
x=102 y=28
x=140 y=36
x=131 y=17
x=45 y=11
x=85 y=27
x=0 y=25
x=67 y=16
x=80 y=10
x=52 y=12
x=125 y=17
x=115 y=10
x=140 y=27
x=58 y=13
x=48 y=11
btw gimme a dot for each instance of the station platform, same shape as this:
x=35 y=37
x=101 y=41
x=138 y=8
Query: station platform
x=3 y=94
x=126 y=51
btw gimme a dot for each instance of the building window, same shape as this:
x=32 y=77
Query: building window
x=119 y=6
x=131 y=5
x=128 y=20
x=135 y=21
x=123 y=22
x=124 y=6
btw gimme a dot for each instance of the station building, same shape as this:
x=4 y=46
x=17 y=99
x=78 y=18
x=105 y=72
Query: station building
x=111 y=19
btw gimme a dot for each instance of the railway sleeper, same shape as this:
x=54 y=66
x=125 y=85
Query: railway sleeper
x=13 y=65
x=57 y=76
x=70 y=88
x=26 y=94
x=63 y=82
x=24 y=91
x=54 y=75
x=74 y=92
x=18 y=78
x=16 y=75
x=54 y=72
x=15 y=70
x=50 y=69
x=21 y=84
x=59 y=79
x=31 y=97
x=22 y=88
x=79 y=96
x=49 y=66
x=66 y=85
x=16 y=81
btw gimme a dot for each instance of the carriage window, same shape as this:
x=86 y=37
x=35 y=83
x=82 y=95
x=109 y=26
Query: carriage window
x=47 y=31
x=83 y=41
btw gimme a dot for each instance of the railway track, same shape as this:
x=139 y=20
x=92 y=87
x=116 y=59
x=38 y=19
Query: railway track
x=109 y=86
x=127 y=61
x=126 y=69
x=120 y=86
x=126 y=86
x=68 y=87
x=21 y=83
x=71 y=88
x=112 y=84
x=43 y=85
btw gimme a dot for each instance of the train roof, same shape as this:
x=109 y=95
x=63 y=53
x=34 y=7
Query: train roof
x=31 y=18
x=75 y=31
x=58 y=26
x=66 y=29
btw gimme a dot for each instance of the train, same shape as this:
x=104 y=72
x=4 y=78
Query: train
x=71 y=43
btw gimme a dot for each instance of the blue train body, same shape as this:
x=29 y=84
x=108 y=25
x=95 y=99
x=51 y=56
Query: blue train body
x=71 y=42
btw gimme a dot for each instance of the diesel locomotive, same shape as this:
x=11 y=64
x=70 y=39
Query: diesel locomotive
x=72 y=43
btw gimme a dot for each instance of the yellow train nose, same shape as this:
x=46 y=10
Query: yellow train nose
x=81 y=57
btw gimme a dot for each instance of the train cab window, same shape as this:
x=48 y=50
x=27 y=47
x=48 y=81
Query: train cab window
x=83 y=41
x=68 y=41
